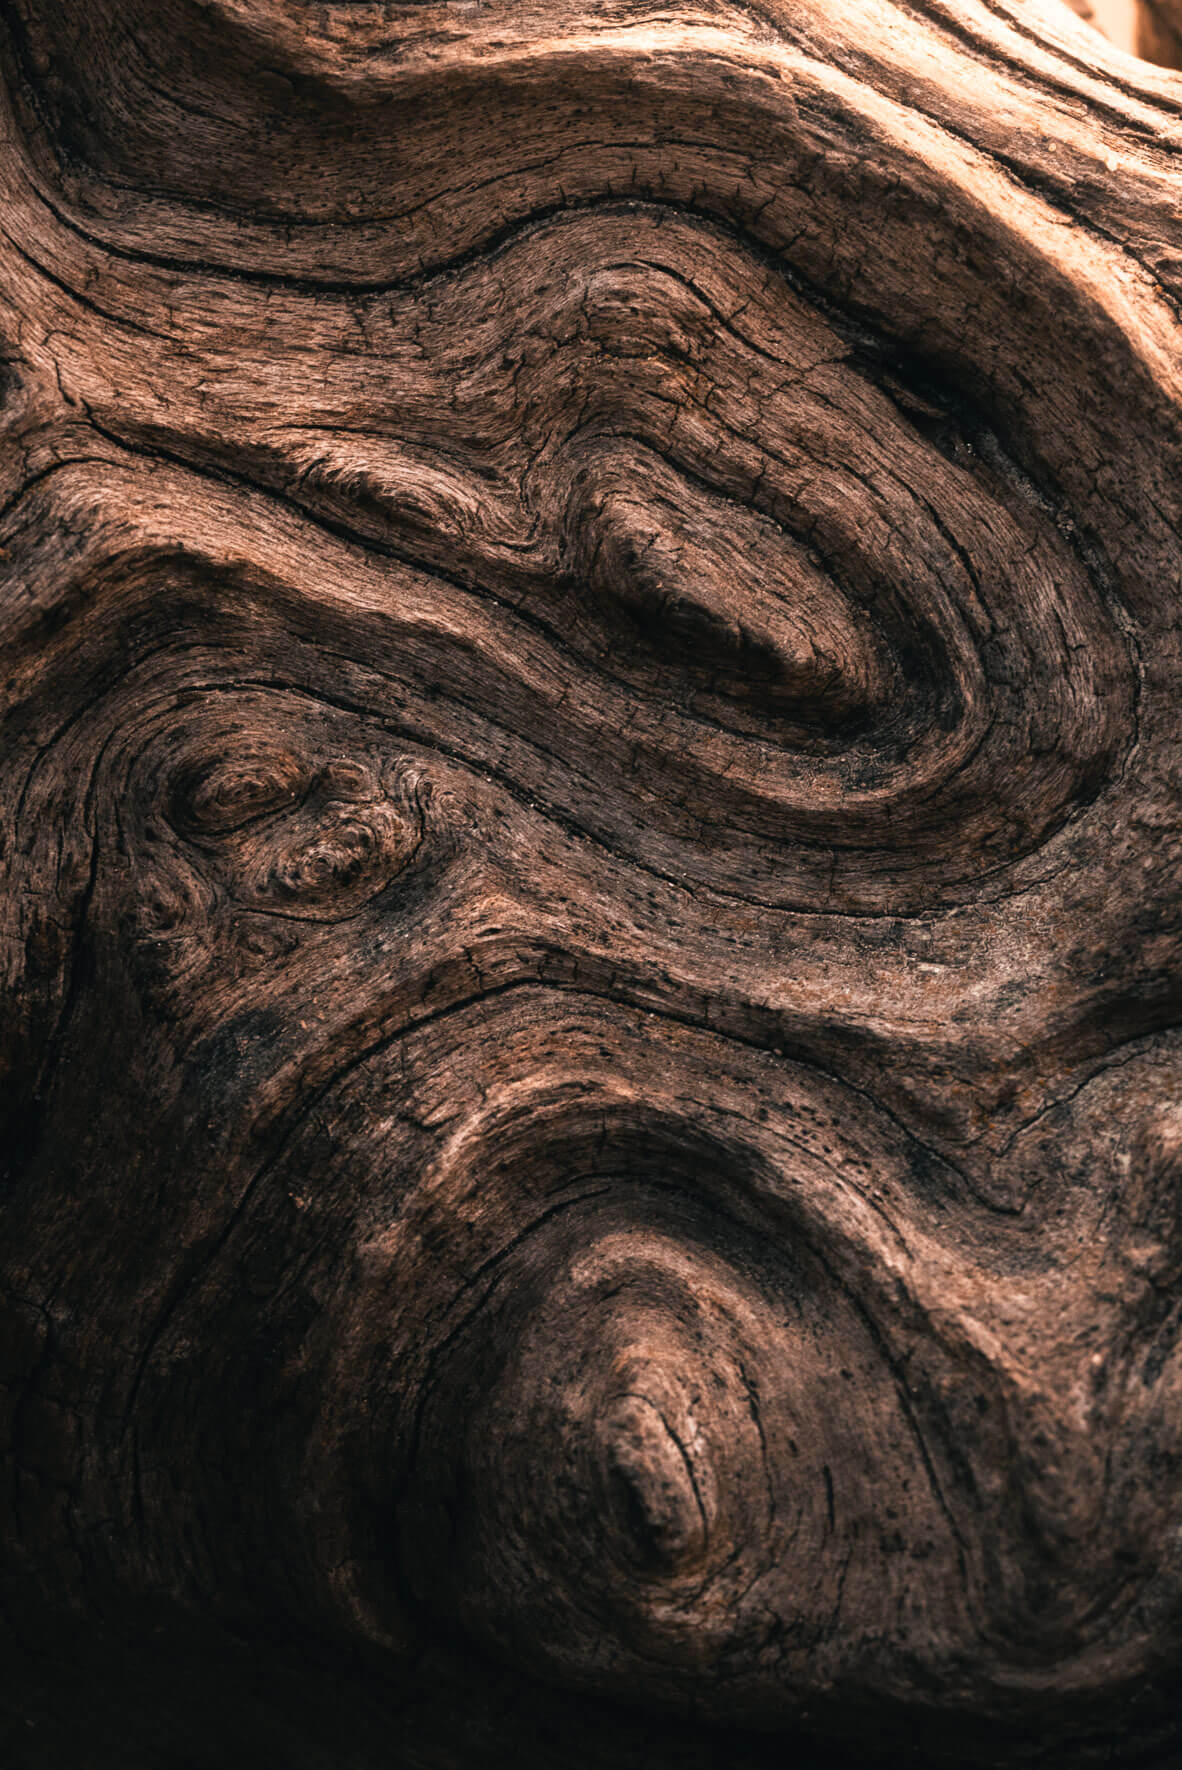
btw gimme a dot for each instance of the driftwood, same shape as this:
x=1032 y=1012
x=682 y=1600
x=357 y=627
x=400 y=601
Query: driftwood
x=589 y=814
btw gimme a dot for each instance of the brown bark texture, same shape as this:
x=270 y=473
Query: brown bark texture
x=589 y=886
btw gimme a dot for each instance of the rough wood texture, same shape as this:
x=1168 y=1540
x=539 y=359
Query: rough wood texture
x=589 y=812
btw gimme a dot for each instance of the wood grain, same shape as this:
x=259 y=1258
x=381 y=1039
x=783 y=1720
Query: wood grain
x=589 y=924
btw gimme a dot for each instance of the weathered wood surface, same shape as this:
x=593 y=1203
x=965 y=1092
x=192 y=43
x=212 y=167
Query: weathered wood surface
x=589 y=813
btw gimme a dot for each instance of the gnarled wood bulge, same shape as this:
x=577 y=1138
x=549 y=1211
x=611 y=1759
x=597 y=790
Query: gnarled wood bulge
x=590 y=923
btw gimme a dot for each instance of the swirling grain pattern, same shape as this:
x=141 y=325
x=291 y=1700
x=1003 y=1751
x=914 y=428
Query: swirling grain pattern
x=589 y=915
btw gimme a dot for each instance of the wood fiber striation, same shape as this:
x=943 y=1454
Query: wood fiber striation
x=589 y=918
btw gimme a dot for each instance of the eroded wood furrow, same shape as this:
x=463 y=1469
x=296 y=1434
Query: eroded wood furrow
x=589 y=927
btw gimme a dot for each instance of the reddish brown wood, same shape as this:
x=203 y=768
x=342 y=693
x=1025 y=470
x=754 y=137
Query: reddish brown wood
x=589 y=924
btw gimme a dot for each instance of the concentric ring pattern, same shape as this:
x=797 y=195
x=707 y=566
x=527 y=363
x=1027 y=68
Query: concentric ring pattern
x=589 y=934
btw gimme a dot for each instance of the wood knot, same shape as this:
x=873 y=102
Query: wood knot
x=650 y=1481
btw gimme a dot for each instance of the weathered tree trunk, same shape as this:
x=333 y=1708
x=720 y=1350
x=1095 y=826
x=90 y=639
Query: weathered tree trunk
x=590 y=930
